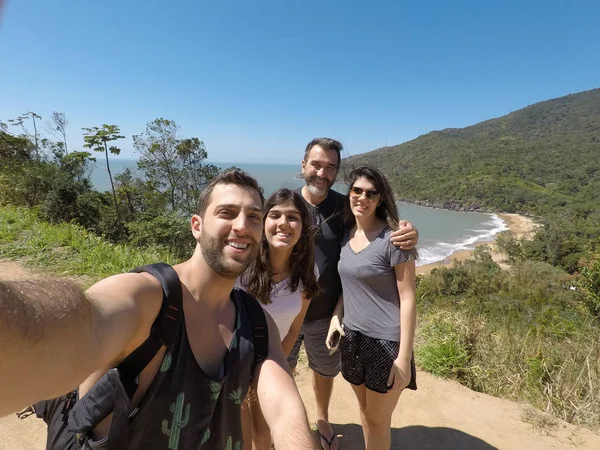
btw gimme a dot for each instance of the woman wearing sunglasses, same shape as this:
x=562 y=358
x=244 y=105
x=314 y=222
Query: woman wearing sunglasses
x=378 y=306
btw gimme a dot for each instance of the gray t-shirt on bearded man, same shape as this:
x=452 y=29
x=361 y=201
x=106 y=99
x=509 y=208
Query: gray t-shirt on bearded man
x=371 y=299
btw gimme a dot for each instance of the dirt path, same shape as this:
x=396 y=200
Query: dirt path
x=440 y=415
x=445 y=415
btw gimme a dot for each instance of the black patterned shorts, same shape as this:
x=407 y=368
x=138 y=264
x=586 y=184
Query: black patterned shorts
x=368 y=361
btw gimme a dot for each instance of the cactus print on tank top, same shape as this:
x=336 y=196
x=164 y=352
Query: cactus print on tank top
x=184 y=409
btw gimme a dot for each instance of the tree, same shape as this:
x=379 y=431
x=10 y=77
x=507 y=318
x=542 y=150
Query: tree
x=173 y=165
x=58 y=128
x=507 y=243
x=70 y=197
x=138 y=197
x=14 y=150
x=77 y=165
x=27 y=184
x=158 y=149
x=20 y=121
x=196 y=175
x=24 y=179
x=589 y=282
x=97 y=139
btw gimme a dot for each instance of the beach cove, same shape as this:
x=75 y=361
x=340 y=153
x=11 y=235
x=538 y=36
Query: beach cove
x=518 y=225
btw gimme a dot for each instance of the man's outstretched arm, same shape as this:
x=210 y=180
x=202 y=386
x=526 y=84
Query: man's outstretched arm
x=280 y=400
x=54 y=335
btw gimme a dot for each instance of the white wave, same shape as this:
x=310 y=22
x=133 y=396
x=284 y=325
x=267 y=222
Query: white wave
x=442 y=250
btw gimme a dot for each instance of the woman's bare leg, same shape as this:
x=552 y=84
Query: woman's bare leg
x=378 y=415
x=361 y=396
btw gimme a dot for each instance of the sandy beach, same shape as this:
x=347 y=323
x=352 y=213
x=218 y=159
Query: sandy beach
x=518 y=225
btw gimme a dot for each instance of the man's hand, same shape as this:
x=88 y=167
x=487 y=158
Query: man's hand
x=406 y=236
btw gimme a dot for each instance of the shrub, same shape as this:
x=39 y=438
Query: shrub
x=589 y=282
x=522 y=334
x=507 y=243
x=444 y=351
x=168 y=231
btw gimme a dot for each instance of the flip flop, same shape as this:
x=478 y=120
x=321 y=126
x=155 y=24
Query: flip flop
x=329 y=441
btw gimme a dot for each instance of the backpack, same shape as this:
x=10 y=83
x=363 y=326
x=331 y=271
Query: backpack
x=66 y=415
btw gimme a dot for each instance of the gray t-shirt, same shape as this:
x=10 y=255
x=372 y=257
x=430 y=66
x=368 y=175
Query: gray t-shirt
x=371 y=299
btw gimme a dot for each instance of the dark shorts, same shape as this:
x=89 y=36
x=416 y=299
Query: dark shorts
x=368 y=361
x=59 y=436
x=314 y=335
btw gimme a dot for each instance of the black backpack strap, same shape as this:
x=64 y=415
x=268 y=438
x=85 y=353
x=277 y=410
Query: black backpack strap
x=114 y=391
x=258 y=323
x=164 y=328
x=172 y=306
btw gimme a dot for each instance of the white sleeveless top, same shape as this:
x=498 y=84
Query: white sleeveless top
x=285 y=305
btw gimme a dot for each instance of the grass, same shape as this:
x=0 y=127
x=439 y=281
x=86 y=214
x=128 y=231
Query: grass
x=541 y=422
x=521 y=335
x=558 y=375
x=442 y=351
x=67 y=249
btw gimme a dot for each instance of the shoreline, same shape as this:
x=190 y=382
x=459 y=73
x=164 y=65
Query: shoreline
x=518 y=225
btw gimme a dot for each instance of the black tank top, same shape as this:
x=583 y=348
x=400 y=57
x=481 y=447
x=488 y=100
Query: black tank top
x=184 y=409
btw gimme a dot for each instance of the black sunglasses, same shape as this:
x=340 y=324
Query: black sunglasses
x=370 y=193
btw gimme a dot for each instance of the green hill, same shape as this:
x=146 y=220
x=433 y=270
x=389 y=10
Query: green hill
x=538 y=159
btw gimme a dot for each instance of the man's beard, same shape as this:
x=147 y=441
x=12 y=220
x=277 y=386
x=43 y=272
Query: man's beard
x=212 y=252
x=318 y=191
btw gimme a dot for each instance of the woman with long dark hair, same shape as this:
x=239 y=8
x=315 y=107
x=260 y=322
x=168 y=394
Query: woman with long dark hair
x=283 y=279
x=378 y=306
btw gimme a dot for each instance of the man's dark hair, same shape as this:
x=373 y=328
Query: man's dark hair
x=325 y=144
x=232 y=176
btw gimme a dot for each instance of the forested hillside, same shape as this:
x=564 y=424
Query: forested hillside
x=538 y=159
x=542 y=160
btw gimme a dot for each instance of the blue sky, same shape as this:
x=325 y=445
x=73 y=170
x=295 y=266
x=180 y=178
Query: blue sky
x=256 y=80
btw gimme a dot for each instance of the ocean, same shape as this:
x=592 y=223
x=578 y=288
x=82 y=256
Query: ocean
x=441 y=232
